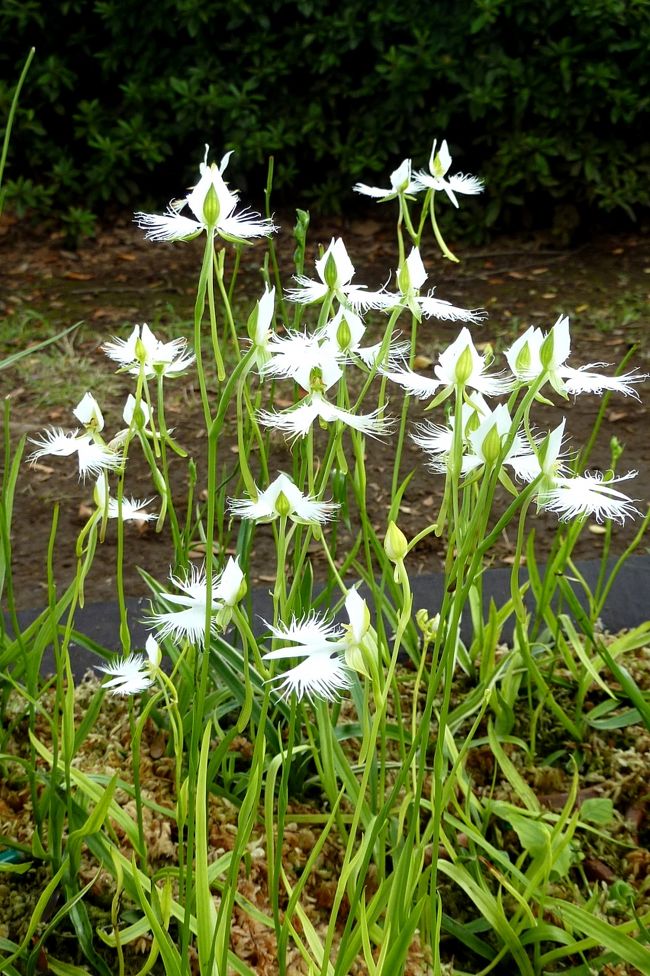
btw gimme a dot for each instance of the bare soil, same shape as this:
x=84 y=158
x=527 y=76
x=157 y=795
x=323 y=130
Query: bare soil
x=119 y=279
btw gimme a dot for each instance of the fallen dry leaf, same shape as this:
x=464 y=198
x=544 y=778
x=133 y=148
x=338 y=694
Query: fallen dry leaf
x=77 y=276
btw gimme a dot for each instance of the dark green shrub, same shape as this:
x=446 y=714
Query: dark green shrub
x=548 y=100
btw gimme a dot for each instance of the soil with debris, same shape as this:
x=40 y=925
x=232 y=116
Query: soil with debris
x=119 y=279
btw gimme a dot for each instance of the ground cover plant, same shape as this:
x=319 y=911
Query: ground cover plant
x=353 y=784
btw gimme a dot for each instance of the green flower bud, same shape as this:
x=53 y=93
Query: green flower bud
x=139 y=417
x=251 y=325
x=428 y=625
x=546 y=350
x=211 y=208
x=464 y=366
x=242 y=591
x=343 y=335
x=404 y=279
x=395 y=543
x=491 y=447
x=331 y=272
x=473 y=423
x=140 y=351
x=522 y=363
x=615 y=450
x=282 y=505
x=182 y=802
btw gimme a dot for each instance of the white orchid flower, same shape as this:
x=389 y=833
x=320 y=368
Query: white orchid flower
x=143 y=351
x=535 y=353
x=296 y=421
x=344 y=333
x=213 y=207
x=134 y=673
x=400 y=184
x=132 y=510
x=459 y=365
x=304 y=359
x=588 y=495
x=330 y=653
x=437 y=179
x=93 y=457
x=411 y=276
x=88 y=413
x=189 y=621
x=282 y=497
x=335 y=271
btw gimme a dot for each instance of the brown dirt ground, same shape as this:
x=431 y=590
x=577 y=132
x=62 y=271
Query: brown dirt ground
x=119 y=279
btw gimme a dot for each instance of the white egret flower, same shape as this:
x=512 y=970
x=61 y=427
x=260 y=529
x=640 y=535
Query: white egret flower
x=329 y=652
x=143 y=351
x=189 y=621
x=135 y=673
x=459 y=365
x=588 y=495
x=92 y=457
x=411 y=276
x=400 y=184
x=536 y=352
x=296 y=421
x=282 y=497
x=212 y=206
x=133 y=510
x=335 y=271
x=437 y=179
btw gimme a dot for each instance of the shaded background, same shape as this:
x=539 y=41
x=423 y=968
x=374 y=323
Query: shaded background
x=548 y=100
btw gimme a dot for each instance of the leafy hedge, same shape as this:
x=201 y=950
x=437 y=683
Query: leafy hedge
x=548 y=100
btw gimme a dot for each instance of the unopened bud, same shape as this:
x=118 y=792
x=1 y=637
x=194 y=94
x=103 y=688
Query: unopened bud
x=395 y=543
x=343 y=335
x=140 y=351
x=282 y=505
x=523 y=361
x=491 y=447
x=404 y=279
x=251 y=326
x=464 y=366
x=546 y=350
x=428 y=625
x=211 y=207
x=615 y=449
x=153 y=651
x=331 y=272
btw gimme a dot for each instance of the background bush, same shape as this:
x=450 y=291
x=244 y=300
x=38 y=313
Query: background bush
x=548 y=100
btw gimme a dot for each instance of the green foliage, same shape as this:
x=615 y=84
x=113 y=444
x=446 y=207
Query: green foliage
x=547 y=100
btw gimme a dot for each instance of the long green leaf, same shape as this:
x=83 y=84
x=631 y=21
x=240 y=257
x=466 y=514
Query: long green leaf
x=624 y=948
x=206 y=913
